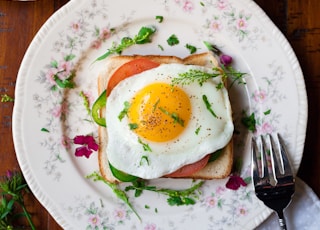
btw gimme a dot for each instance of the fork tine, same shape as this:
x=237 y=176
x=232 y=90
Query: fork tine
x=255 y=168
x=275 y=161
x=284 y=156
x=264 y=162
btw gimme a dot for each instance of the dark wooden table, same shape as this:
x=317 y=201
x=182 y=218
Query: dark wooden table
x=298 y=20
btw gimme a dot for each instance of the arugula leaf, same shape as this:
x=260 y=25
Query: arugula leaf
x=144 y=36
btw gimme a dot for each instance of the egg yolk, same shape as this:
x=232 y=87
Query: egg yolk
x=160 y=112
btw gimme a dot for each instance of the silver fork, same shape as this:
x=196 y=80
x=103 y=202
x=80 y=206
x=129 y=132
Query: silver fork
x=273 y=180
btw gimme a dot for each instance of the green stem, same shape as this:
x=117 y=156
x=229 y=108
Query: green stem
x=27 y=215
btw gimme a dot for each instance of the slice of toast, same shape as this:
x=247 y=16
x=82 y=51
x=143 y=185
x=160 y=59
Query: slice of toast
x=218 y=169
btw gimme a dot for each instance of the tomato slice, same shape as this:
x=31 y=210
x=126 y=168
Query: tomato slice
x=190 y=168
x=128 y=69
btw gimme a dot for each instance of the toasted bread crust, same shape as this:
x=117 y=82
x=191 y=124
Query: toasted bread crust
x=217 y=169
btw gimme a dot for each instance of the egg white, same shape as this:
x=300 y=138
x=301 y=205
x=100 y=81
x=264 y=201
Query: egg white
x=126 y=153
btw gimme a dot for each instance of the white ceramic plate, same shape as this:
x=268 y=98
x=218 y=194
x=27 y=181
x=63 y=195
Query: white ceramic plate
x=45 y=120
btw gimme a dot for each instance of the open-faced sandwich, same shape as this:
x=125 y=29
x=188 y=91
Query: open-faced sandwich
x=165 y=117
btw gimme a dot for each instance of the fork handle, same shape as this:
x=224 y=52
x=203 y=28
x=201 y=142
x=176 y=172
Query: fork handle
x=282 y=224
x=282 y=221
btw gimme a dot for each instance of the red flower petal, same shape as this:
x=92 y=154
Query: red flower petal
x=235 y=182
x=80 y=140
x=93 y=145
x=83 y=151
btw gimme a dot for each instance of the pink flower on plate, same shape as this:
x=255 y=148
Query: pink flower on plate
x=88 y=146
x=50 y=76
x=105 y=34
x=242 y=24
x=59 y=110
x=96 y=44
x=235 y=182
x=265 y=128
x=242 y=211
x=211 y=201
x=260 y=96
x=65 y=68
x=94 y=221
x=150 y=227
x=75 y=26
x=220 y=190
x=120 y=214
x=188 y=6
x=65 y=141
x=222 y=4
x=216 y=25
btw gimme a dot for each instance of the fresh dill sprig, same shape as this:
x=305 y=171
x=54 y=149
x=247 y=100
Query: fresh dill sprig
x=195 y=75
x=199 y=76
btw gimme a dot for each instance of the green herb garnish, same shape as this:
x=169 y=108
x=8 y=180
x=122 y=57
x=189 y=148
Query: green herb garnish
x=125 y=110
x=155 y=105
x=176 y=197
x=194 y=75
x=161 y=47
x=145 y=146
x=144 y=36
x=66 y=83
x=133 y=126
x=6 y=98
x=174 y=116
x=208 y=105
x=116 y=190
x=191 y=48
x=198 y=130
x=159 y=18
x=173 y=40
x=267 y=112
x=86 y=102
x=249 y=121
x=45 y=130
x=144 y=159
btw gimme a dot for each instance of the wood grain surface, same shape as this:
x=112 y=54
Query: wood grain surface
x=298 y=20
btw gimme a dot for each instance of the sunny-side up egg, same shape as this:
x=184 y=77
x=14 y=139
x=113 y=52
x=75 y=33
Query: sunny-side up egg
x=165 y=126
